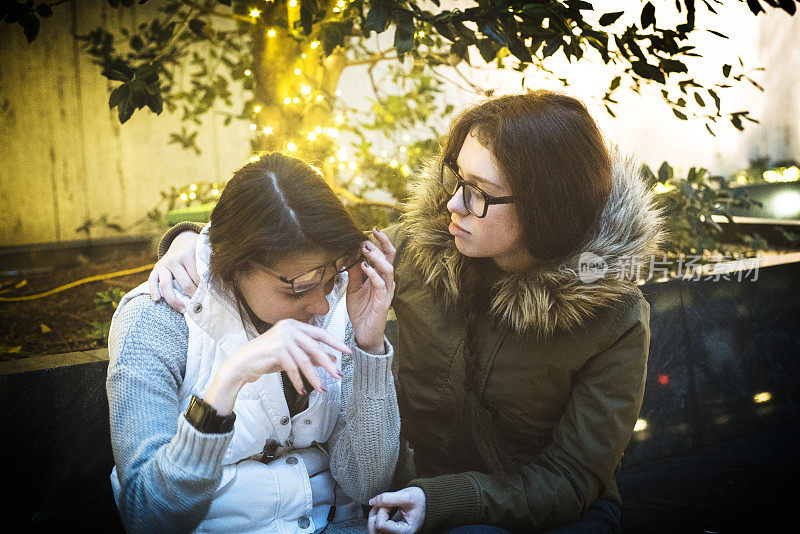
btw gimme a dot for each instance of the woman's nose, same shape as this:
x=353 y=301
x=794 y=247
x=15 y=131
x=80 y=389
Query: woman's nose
x=318 y=305
x=456 y=203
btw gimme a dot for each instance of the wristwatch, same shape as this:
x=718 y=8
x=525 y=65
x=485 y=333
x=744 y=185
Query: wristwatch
x=205 y=418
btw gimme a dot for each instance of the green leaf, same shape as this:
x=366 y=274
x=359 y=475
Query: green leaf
x=488 y=49
x=610 y=18
x=672 y=65
x=378 y=17
x=614 y=83
x=648 y=15
x=646 y=70
x=118 y=95
x=726 y=70
x=404 y=32
x=699 y=100
x=678 y=114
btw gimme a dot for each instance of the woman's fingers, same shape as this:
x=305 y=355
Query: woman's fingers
x=167 y=291
x=320 y=357
x=317 y=333
x=386 y=246
x=309 y=371
x=379 y=262
x=184 y=280
x=293 y=373
x=152 y=282
x=375 y=279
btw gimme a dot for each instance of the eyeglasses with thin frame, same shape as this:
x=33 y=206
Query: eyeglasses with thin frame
x=310 y=279
x=476 y=200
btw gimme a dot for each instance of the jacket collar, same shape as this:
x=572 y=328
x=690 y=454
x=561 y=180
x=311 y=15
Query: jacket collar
x=539 y=301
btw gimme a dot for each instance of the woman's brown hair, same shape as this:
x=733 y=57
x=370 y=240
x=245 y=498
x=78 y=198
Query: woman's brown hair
x=272 y=207
x=558 y=167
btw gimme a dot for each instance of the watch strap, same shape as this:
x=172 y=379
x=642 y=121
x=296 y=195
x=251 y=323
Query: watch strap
x=205 y=418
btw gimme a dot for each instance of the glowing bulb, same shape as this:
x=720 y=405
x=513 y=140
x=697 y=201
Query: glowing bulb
x=352 y=165
x=640 y=425
x=303 y=55
x=295 y=100
x=193 y=187
x=318 y=129
x=336 y=9
x=339 y=119
x=422 y=34
x=184 y=196
x=247 y=72
x=298 y=72
x=761 y=398
x=192 y=196
x=772 y=176
x=357 y=180
x=271 y=33
x=661 y=188
x=340 y=3
x=215 y=191
x=332 y=132
x=338 y=92
x=393 y=163
x=319 y=98
x=311 y=136
x=292 y=3
x=341 y=166
x=267 y=130
x=257 y=109
x=255 y=158
x=287 y=100
x=406 y=169
x=792 y=174
x=254 y=13
x=314 y=45
x=253 y=127
x=402 y=149
x=332 y=159
x=304 y=90
x=291 y=147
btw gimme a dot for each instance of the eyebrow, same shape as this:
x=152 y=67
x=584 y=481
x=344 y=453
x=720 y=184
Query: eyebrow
x=476 y=177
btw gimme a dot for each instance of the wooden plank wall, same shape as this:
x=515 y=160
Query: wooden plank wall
x=64 y=157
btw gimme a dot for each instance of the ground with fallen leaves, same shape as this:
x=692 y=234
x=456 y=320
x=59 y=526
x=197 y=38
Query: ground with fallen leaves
x=72 y=320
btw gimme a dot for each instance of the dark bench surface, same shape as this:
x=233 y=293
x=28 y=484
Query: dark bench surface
x=711 y=458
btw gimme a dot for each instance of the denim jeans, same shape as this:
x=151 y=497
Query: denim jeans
x=602 y=517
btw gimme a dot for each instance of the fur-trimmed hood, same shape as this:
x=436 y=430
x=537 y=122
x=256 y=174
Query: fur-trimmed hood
x=544 y=299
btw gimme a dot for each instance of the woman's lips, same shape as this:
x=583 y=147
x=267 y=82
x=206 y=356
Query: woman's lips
x=456 y=230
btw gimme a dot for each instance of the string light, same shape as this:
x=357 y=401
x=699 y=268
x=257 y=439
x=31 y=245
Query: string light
x=311 y=136
x=292 y=3
x=295 y=100
x=318 y=129
x=332 y=159
x=257 y=109
x=336 y=9
x=319 y=98
x=287 y=100
x=314 y=45
x=352 y=165
x=393 y=163
x=298 y=72
x=271 y=33
x=254 y=13
x=291 y=147
x=184 y=196
x=304 y=90
x=339 y=119
x=247 y=72
x=640 y=425
x=761 y=398
x=332 y=132
x=341 y=166
x=406 y=169
x=192 y=196
x=340 y=3
x=215 y=191
x=267 y=130
x=254 y=158
x=253 y=127
x=193 y=187
x=402 y=149
x=357 y=180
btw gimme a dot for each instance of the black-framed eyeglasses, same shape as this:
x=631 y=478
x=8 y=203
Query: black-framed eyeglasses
x=309 y=280
x=476 y=200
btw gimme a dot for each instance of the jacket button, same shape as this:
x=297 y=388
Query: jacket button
x=308 y=421
x=290 y=441
x=198 y=308
x=285 y=420
x=291 y=460
x=303 y=522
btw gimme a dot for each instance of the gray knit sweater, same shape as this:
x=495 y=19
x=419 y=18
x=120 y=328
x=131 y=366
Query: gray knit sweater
x=169 y=470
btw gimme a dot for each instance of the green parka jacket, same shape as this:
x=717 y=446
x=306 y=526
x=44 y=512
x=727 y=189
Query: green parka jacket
x=562 y=365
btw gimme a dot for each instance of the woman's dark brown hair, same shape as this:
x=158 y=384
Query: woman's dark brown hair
x=272 y=207
x=558 y=167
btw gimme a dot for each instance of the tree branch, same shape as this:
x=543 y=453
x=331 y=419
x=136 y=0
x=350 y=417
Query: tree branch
x=372 y=60
x=216 y=13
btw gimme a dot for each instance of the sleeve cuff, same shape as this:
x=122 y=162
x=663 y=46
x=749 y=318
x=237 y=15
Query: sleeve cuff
x=196 y=452
x=372 y=373
x=450 y=500
x=173 y=232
